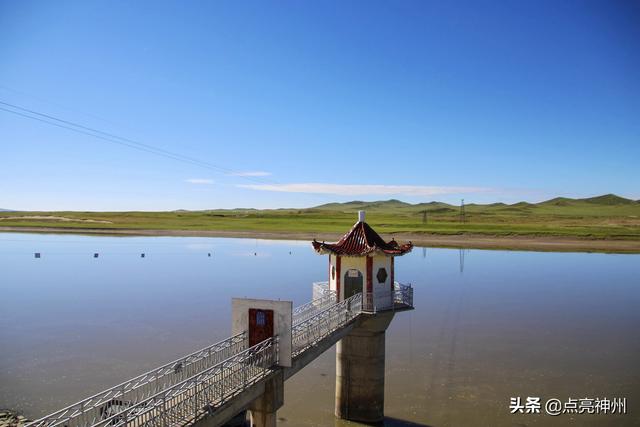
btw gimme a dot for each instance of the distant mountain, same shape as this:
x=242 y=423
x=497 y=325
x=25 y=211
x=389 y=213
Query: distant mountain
x=360 y=205
x=433 y=205
x=604 y=200
x=558 y=201
x=609 y=199
x=522 y=205
x=6 y=210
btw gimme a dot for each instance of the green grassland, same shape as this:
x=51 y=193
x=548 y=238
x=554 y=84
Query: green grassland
x=603 y=217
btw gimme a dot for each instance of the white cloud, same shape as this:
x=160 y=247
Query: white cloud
x=199 y=181
x=251 y=173
x=356 y=189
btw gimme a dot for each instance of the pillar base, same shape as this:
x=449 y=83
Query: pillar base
x=360 y=358
x=263 y=410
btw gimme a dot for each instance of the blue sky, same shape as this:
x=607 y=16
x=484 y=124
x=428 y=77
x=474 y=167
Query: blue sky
x=318 y=102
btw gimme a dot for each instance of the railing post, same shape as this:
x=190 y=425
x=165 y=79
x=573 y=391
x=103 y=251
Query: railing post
x=244 y=371
x=164 y=410
x=195 y=401
x=125 y=419
x=82 y=414
x=223 y=385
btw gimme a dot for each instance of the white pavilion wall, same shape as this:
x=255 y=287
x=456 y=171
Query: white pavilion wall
x=381 y=291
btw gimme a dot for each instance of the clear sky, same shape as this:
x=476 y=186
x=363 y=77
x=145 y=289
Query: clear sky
x=318 y=102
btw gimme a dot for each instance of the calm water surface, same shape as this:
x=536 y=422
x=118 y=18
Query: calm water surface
x=488 y=325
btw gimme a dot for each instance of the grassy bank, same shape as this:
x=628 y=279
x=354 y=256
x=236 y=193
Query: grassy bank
x=604 y=217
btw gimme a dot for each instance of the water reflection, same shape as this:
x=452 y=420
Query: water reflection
x=486 y=327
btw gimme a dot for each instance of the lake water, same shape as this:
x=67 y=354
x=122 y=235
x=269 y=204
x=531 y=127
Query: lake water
x=488 y=325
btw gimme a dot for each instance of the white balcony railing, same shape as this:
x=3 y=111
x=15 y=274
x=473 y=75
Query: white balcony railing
x=402 y=295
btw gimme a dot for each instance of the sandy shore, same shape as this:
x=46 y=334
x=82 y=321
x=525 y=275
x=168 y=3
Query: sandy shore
x=530 y=243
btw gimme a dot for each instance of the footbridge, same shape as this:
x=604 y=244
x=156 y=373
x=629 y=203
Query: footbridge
x=221 y=382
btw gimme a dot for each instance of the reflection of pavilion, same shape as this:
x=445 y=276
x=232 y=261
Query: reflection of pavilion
x=361 y=261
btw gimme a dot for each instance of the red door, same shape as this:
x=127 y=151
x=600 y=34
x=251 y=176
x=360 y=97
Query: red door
x=260 y=325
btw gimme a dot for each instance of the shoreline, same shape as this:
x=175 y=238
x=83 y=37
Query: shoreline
x=460 y=241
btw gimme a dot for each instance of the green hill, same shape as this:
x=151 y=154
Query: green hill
x=369 y=206
x=609 y=199
x=558 y=201
x=603 y=217
x=605 y=200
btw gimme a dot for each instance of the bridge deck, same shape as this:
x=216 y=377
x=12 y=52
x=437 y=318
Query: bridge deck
x=203 y=382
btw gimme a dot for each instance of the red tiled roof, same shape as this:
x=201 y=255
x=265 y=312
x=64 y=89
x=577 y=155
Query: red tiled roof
x=362 y=240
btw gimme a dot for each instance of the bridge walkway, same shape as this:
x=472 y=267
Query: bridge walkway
x=213 y=383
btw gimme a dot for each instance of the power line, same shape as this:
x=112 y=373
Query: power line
x=64 y=107
x=108 y=137
x=68 y=122
x=116 y=139
x=140 y=148
x=80 y=131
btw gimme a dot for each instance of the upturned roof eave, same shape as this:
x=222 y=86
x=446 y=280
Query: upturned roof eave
x=324 y=249
x=362 y=240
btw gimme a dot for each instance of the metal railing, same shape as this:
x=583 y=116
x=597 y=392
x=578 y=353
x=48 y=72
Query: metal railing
x=200 y=394
x=367 y=302
x=201 y=381
x=320 y=289
x=314 y=329
x=310 y=309
x=116 y=399
x=402 y=294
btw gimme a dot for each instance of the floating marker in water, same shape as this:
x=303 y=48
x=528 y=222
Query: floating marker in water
x=95 y=255
x=37 y=254
x=142 y=255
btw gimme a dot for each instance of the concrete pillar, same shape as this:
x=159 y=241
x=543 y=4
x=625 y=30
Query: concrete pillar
x=263 y=409
x=360 y=370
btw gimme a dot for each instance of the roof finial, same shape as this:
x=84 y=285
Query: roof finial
x=361 y=215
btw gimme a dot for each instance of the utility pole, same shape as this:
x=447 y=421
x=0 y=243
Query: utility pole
x=463 y=218
x=424 y=216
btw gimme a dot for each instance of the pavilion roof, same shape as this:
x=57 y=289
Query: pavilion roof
x=362 y=240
